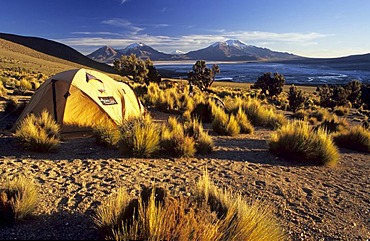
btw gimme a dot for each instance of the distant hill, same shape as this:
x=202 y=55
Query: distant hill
x=57 y=50
x=231 y=50
x=358 y=62
x=107 y=54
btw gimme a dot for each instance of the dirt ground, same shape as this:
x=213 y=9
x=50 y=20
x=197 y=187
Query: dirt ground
x=310 y=202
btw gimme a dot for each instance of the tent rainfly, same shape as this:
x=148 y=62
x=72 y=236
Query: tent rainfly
x=81 y=98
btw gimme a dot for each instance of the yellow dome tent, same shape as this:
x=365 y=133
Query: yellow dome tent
x=82 y=98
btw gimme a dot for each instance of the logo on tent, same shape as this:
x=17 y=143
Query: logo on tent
x=107 y=100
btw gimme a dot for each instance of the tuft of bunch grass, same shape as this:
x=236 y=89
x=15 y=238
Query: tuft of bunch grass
x=175 y=141
x=203 y=141
x=39 y=133
x=204 y=144
x=355 y=138
x=341 y=110
x=262 y=115
x=157 y=216
x=300 y=114
x=18 y=200
x=223 y=123
x=139 y=137
x=106 y=136
x=244 y=123
x=297 y=141
x=236 y=220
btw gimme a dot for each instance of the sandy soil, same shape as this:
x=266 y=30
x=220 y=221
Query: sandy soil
x=310 y=202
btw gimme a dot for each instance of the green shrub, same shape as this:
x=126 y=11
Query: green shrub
x=106 y=136
x=18 y=200
x=270 y=86
x=139 y=137
x=356 y=138
x=296 y=98
x=38 y=133
x=297 y=141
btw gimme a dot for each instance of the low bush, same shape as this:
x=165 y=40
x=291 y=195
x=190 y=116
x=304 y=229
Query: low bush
x=139 y=137
x=38 y=133
x=18 y=200
x=355 y=138
x=297 y=141
x=156 y=215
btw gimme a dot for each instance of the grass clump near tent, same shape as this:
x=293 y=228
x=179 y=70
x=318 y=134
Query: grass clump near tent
x=355 y=138
x=18 y=200
x=209 y=214
x=139 y=137
x=39 y=133
x=175 y=141
x=107 y=136
x=297 y=141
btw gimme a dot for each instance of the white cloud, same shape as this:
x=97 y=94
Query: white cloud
x=124 y=24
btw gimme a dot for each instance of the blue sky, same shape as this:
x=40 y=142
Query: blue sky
x=312 y=28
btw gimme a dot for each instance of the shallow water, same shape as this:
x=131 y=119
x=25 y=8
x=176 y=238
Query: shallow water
x=293 y=73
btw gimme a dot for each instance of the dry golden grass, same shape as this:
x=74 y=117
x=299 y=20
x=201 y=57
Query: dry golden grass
x=39 y=133
x=297 y=141
x=355 y=138
x=211 y=214
x=106 y=135
x=140 y=137
x=18 y=199
x=223 y=123
x=175 y=141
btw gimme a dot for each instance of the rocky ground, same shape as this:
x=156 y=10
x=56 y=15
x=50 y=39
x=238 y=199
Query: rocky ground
x=310 y=202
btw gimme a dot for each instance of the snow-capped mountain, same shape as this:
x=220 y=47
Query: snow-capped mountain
x=230 y=50
x=144 y=51
x=177 y=52
x=234 y=50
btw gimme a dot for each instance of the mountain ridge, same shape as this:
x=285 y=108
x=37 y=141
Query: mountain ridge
x=56 y=49
x=230 y=50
